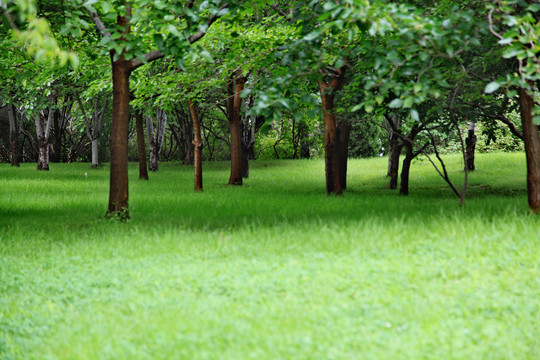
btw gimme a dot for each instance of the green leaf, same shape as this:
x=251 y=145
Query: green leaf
x=395 y=104
x=492 y=87
x=414 y=115
x=536 y=120
x=534 y=7
x=312 y=35
x=206 y=56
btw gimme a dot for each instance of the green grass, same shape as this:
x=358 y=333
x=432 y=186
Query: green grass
x=271 y=270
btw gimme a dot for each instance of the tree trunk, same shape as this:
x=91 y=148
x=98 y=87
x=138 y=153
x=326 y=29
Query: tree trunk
x=118 y=194
x=143 y=172
x=409 y=156
x=197 y=145
x=331 y=137
x=532 y=149
x=156 y=141
x=393 y=162
x=43 y=160
x=234 y=103
x=13 y=135
x=470 y=143
x=394 y=151
x=344 y=131
x=57 y=144
x=42 y=132
x=152 y=162
x=303 y=139
x=95 y=153
x=245 y=161
x=331 y=149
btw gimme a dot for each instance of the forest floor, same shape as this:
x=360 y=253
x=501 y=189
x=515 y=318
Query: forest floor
x=274 y=269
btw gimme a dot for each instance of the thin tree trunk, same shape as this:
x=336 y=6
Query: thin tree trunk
x=95 y=153
x=13 y=135
x=245 y=161
x=119 y=194
x=405 y=170
x=532 y=149
x=393 y=162
x=152 y=162
x=470 y=143
x=197 y=145
x=42 y=133
x=344 y=131
x=57 y=145
x=143 y=172
x=394 y=151
x=234 y=103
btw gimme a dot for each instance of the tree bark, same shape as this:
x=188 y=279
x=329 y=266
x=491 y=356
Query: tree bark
x=156 y=141
x=331 y=139
x=197 y=145
x=118 y=194
x=234 y=102
x=470 y=143
x=405 y=170
x=532 y=149
x=42 y=132
x=344 y=132
x=143 y=172
x=13 y=135
x=95 y=154
x=394 y=151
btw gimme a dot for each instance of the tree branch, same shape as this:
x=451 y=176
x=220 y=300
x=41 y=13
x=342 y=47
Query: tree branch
x=509 y=123
x=151 y=56
x=97 y=21
x=199 y=34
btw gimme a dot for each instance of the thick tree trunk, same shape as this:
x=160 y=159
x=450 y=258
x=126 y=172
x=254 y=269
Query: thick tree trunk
x=532 y=149
x=234 y=103
x=197 y=145
x=13 y=135
x=344 y=132
x=470 y=144
x=332 y=151
x=43 y=159
x=331 y=148
x=143 y=172
x=405 y=170
x=118 y=193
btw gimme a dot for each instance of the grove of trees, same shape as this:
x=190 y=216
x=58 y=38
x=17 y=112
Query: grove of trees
x=105 y=80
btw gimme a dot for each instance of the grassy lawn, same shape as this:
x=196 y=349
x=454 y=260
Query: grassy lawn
x=271 y=270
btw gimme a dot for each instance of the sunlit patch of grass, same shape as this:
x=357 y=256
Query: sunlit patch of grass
x=273 y=269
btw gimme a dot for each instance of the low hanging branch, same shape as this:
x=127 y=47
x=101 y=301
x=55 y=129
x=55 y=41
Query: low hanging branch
x=422 y=149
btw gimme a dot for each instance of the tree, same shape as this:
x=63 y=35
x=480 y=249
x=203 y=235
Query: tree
x=126 y=50
x=519 y=22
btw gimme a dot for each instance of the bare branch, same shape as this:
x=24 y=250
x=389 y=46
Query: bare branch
x=86 y=122
x=509 y=123
x=98 y=22
x=151 y=56
x=490 y=19
x=199 y=34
